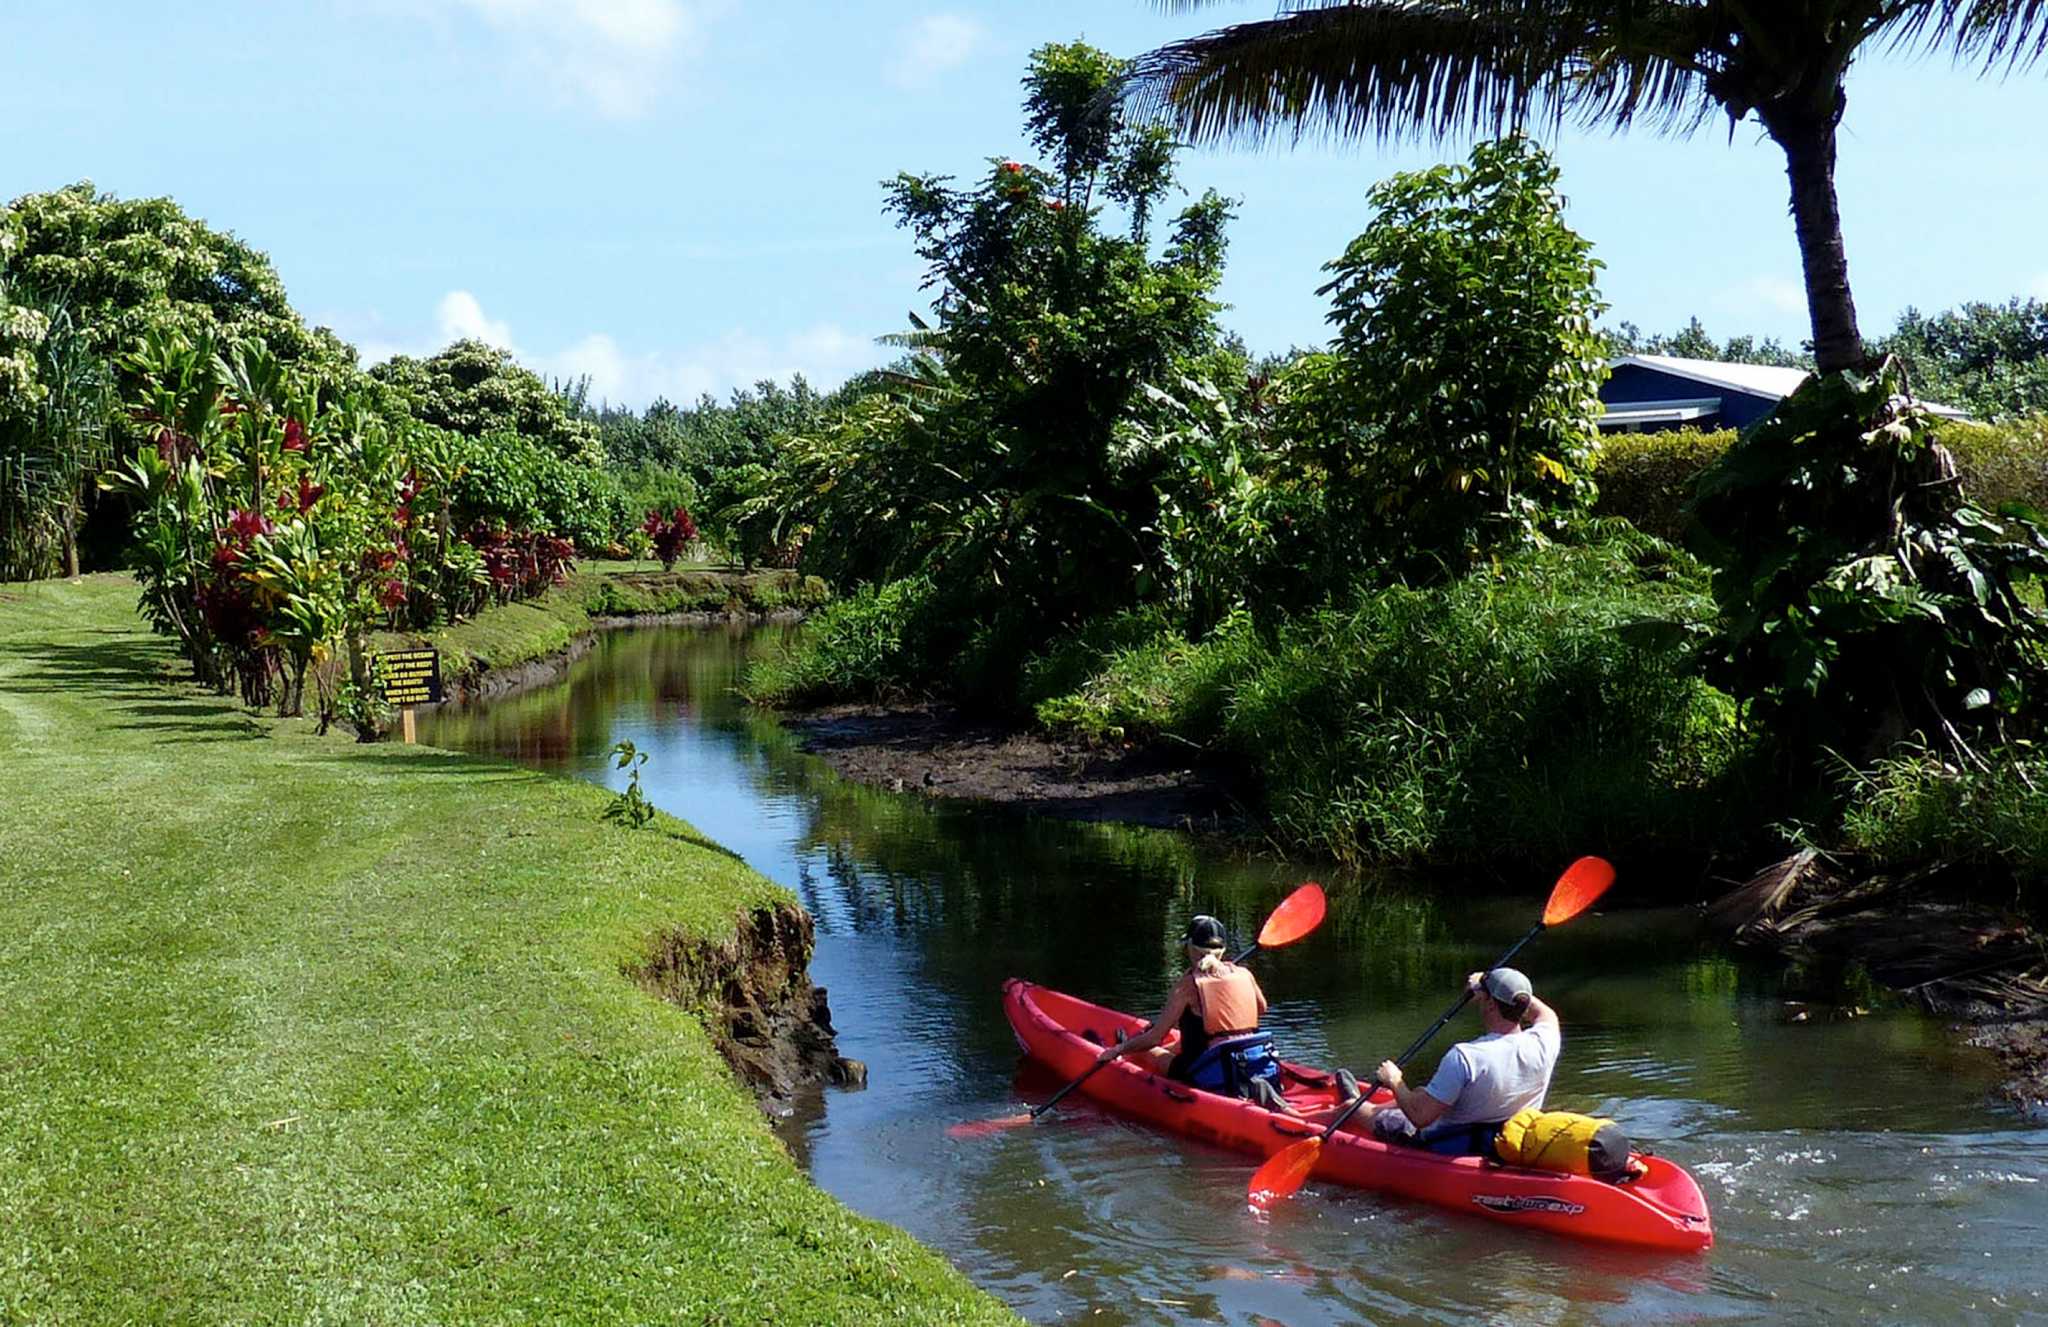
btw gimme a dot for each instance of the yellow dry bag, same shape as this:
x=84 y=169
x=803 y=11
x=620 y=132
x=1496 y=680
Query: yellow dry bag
x=1559 y=1140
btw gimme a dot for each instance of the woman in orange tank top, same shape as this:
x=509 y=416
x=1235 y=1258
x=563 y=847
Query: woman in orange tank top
x=1216 y=1006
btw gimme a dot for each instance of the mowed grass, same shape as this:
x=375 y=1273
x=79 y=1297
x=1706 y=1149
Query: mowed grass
x=293 y=1030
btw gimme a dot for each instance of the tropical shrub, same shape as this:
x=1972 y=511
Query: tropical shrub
x=1000 y=468
x=279 y=517
x=56 y=403
x=1862 y=599
x=1458 y=410
x=478 y=390
x=270 y=516
x=670 y=535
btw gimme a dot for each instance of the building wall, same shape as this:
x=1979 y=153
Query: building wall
x=1632 y=384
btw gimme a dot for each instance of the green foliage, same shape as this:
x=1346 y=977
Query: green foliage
x=2000 y=464
x=279 y=517
x=1504 y=714
x=1990 y=360
x=1861 y=597
x=714 y=456
x=630 y=809
x=56 y=406
x=871 y=645
x=1647 y=479
x=1160 y=685
x=127 y=267
x=479 y=390
x=1919 y=807
x=514 y=480
x=1465 y=381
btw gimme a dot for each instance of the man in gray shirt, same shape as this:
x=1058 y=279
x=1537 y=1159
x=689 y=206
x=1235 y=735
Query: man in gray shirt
x=1481 y=1083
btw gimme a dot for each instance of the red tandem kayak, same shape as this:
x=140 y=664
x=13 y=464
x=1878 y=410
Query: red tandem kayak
x=1662 y=1209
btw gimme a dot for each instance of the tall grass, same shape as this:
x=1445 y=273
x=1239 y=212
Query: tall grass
x=1513 y=712
x=1918 y=808
x=875 y=644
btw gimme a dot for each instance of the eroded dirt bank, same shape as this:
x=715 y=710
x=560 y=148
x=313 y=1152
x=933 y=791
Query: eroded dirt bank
x=934 y=750
x=755 y=996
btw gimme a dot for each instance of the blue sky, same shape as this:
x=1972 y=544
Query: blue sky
x=676 y=196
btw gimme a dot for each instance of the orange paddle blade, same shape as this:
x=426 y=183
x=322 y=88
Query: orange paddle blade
x=1283 y=1173
x=983 y=1128
x=1298 y=914
x=1582 y=884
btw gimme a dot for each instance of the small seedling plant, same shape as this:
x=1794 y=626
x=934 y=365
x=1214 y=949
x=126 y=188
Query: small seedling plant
x=630 y=809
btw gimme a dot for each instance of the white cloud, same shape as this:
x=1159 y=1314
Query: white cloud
x=825 y=353
x=461 y=317
x=615 y=55
x=931 y=46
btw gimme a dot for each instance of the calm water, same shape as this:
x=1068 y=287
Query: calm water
x=1856 y=1168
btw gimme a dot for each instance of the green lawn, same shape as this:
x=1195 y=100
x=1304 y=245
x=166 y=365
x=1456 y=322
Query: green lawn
x=293 y=1030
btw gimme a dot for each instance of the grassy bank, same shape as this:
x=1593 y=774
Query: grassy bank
x=514 y=634
x=304 y=1031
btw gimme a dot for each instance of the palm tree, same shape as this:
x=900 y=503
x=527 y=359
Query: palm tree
x=1394 y=68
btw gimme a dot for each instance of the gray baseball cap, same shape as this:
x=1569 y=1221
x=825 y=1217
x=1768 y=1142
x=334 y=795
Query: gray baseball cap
x=1507 y=986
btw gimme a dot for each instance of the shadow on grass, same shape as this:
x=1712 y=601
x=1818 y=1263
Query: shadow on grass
x=129 y=678
x=123 y=665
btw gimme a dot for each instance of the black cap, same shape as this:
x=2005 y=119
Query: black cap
x=1205 y=932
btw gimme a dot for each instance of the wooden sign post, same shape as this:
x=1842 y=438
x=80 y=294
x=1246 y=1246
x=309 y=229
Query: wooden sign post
x=409 y=678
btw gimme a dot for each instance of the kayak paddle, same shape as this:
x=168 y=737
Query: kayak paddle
x=1298 y=914
x=1283 y=1173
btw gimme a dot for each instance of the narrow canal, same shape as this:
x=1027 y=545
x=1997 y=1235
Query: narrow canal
x=1856 y=1166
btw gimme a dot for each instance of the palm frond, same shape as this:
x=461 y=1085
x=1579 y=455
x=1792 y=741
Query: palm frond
x=1391 y=69
x=2008 y=34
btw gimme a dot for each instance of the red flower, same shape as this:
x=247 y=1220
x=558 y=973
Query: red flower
x=284 y=502
x=294 y=436
x=1057 y=206
x=1012 y=167
x=246 y=525
x=393 y=595
x=225 y=556
x=309 y=493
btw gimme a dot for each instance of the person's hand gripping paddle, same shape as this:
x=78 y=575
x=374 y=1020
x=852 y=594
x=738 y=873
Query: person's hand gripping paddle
x=1298 y=914
x=1283 y=1173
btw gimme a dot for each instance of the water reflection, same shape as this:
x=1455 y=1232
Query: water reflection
x=1855 y=1168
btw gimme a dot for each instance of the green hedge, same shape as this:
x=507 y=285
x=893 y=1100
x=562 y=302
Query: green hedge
x=1646 y=478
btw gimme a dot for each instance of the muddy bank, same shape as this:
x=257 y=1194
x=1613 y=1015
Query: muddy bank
x=934 y=750
x=1917 y=934
x=755 y=996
